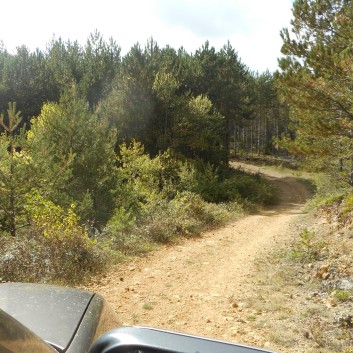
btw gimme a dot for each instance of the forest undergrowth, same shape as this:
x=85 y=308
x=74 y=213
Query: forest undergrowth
x=160 y=201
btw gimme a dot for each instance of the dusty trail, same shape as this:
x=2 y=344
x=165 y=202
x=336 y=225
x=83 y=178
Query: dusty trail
x=201 y=286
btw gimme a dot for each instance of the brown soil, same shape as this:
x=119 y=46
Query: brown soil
x=207 y=286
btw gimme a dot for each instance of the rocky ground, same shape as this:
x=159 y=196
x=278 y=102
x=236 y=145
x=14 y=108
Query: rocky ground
x=281 y=279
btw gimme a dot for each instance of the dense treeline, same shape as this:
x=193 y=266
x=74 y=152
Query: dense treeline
x=128 y=149
x=151 y=93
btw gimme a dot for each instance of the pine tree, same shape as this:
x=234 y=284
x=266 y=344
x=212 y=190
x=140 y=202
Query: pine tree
x=16 y=172
x=73 y=151
x=316 y=80
x=224 y=79
x=26 y=79
x=130 y=105
x=198 y=131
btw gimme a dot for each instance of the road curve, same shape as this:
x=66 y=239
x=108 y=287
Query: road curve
x=199 y=285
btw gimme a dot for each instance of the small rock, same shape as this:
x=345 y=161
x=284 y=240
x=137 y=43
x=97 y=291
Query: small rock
x=346 y=285
x=323 y=272
x=330 y=303
x=229 y=318
x=235 y=305
x=324 y=268
x=345 y=320
x=256 y=337
x=208 y=321
x=325 y=275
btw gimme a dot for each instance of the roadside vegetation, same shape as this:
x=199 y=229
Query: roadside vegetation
x=104 y=156
x=140 y=201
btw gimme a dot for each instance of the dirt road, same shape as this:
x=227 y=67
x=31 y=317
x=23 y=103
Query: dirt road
x=204 y=285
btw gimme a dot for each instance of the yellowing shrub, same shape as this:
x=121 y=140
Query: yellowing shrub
x=53 y=222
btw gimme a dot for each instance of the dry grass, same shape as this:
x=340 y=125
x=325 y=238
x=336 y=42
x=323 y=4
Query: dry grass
x=297 y=310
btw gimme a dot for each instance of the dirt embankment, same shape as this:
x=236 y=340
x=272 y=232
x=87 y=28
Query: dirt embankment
x=205 y=286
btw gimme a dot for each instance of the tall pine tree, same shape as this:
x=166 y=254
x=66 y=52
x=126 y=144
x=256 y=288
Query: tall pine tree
x=17 y=175
x=316 y=81
x=73 y=152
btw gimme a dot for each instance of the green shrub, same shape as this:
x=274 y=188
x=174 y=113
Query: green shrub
x=145 y=179
x=164 y=221
x=234 y=185
x=208 y=214
x=347 y=204
x=121 y=236
x=328 y=190
x=39 y=259
x=186 y=215
x=122 y=222
x=332 y=199
x=162 y=198
x=347 y=350
x=308 y=248
x=342 y=295
x=122 y=245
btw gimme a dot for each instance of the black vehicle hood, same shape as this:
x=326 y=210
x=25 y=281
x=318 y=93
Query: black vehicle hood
x=52 y=313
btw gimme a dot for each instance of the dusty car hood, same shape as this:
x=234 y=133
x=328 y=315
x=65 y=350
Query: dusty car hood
x=52 y=313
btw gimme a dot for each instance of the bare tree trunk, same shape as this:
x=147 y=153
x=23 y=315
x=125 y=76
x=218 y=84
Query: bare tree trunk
x=12 y=213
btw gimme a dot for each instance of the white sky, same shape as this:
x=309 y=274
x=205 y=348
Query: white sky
x=251 y=26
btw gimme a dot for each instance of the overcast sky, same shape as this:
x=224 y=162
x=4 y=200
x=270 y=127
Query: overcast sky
x=251 y=26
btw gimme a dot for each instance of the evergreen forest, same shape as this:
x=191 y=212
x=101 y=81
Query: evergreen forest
x=104 y=155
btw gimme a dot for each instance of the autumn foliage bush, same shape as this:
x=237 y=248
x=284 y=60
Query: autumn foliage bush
x=53 y=248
